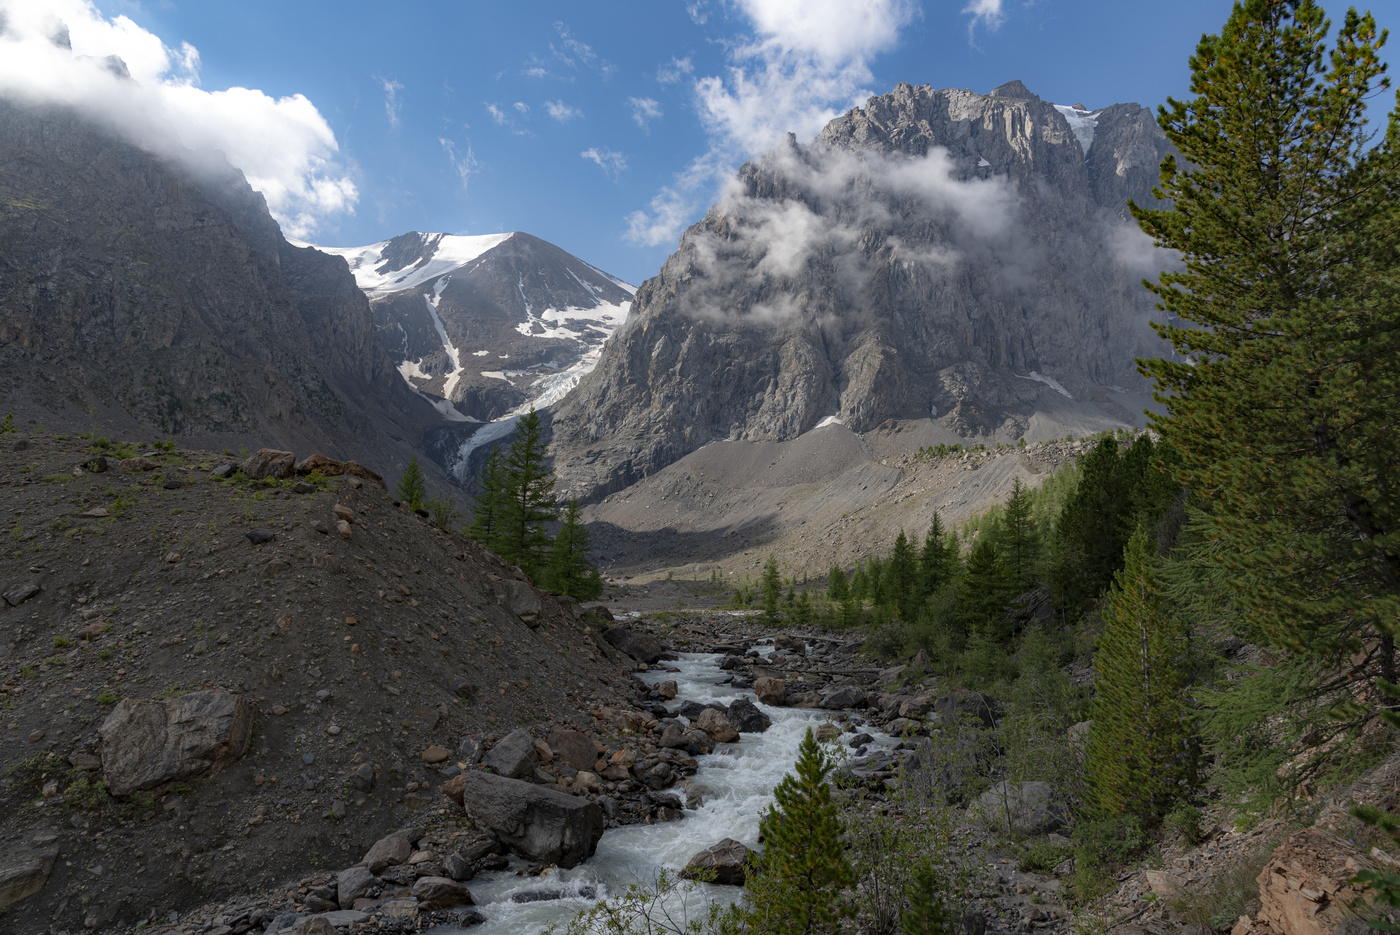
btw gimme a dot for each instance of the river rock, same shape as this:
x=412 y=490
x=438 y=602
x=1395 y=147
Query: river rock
x=771 y=691
x=842 y=698
x=535 y=822
x=672 y=736
x=640 y=646
x=458 y=867
x=804 y=699
x=726 y=858
x=316 y=925
x=791 y=644
x=573 y=748
x=1029 y=807
x=667 y=689
x=515 y=756
x=352 y=884
x=731 y=663
x=717 y=725
x=441 y=893
x=700 y=740
x=269 y=462
x=389 y=851
x=915 y=707
x=746 y=717
x=148 y=743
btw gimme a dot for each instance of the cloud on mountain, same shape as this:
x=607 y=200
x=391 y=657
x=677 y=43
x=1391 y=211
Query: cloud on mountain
x=125 y=77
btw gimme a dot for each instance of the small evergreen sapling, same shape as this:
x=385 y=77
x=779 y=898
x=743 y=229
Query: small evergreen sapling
x=412 y=487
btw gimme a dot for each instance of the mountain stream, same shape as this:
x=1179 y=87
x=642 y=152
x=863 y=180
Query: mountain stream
x=736 y=781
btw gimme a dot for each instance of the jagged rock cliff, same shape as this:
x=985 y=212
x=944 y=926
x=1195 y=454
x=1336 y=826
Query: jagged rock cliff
x=141 y=295
x=937 y=255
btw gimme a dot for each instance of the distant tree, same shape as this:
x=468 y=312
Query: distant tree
x=488 y=504
x=1142 y=754
x=527 y=501
x=800 y=878
x=984 y=588
x=772 y=585
x=802 y=609
x=412 y=487
x=902 y=578
x=938 y=560
x=1018 y=540
x=570 y=572
x=836 y=586
x=1092 y=529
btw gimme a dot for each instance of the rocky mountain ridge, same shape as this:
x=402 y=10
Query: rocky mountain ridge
x=936 y=256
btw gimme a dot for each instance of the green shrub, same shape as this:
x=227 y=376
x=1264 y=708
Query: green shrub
x=1185 y=821
x=1044 y=857
x=1100 y=847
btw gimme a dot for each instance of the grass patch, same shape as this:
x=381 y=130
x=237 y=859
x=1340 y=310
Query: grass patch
x=57 y=478
x=1226 y=894
x=1043 y=857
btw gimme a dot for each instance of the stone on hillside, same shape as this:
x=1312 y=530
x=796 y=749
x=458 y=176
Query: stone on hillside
x=352 y=884
x=573 y=748
x=640 y=646
x=389 y=851
x=148 y=743
x=269 y=462
x=534 y=822
x=1306 y=888
x=515 y=756
x=344 y=528
x=316 y=925
x=842 y=698
x=1028 y=807
x=260 y=536
x=343 y=512
x=967 y=703
x=746 y=717
x=457 y=867
x=726 y=859
x=771 y=691
x=24 y=873
x=521 y=599
x=435 y=754
x=137 y=465
x=717 y=726
x=224 y=470
x=441 y=893
x=320 y=463
x=18 y=595
x=915 y=707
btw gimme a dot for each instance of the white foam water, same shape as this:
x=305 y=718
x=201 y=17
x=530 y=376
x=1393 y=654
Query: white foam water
x=736 y=781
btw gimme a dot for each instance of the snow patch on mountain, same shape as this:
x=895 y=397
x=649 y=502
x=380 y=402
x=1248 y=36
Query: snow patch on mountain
x=1081 y=122
x=451 y=252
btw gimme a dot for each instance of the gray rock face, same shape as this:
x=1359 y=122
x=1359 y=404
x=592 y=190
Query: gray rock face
x=1028 y=807
x=533 y=821
x=639 y=646
x=726 y=859
x=935 y=254
x=177 y=304
x=148 y=743
x=514 y=756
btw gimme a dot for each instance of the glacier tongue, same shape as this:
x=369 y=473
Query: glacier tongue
x=1081 y=122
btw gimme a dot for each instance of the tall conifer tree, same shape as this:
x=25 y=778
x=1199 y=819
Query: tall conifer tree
x=486 y=507
x=527 y=500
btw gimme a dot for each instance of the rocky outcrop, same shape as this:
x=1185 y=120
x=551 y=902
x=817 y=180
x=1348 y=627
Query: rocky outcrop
x=1023 y=807
x=935 y=254
x=532 y=821
x=1306 y=887
x=146 y=744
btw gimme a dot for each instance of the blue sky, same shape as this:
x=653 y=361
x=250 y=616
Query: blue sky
x=602 y=127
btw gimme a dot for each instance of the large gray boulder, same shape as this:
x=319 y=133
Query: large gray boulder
x=1026 y=807
x=573 y=748
x=352 y=884
x=726 y=859
x=640 y=646
x=747 y=718
x=842 y=698
x=514 y=756
x=146 y=744
x=960 y=704
x=534 y=822
x=269 y=462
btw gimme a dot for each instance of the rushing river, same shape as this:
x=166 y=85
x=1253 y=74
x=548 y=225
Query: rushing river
x=736 y=780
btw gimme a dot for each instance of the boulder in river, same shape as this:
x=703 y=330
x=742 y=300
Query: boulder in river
x=717 y=725
x=441 y=893
x=726 y=859
x=534 y=822
x=746 y=717
x=791 y=644
x=146 y=744
x=640 y=646
x=771 y=691
x=515 y=755
x=848 y=697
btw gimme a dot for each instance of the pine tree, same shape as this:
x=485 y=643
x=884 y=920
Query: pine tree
x=902 y=578
x=938 y=560
x=802 y=609
x=412 y=487
x=486 y=507
x=984 y=589
x=772 y=584
x=1090 y=532
x=1281 y=402
x=836 y=587
x=1018 y=541
x=569 y=571
x=527 y=500
x=799 y=880
x=1141 y=753
x=928 y=911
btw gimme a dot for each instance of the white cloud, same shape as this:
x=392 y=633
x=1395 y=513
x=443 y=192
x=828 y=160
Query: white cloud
x=535 y=71
x=806 y=62
x=675 y=70
x=284 y=147
x=497 y=114
x=577 y=54
x=561 y=111
x=987 y=13
x=644 y=109
x=670 y=211
x=464 y=165
x=609 y=161
x=522 y=108
x=391 y=100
